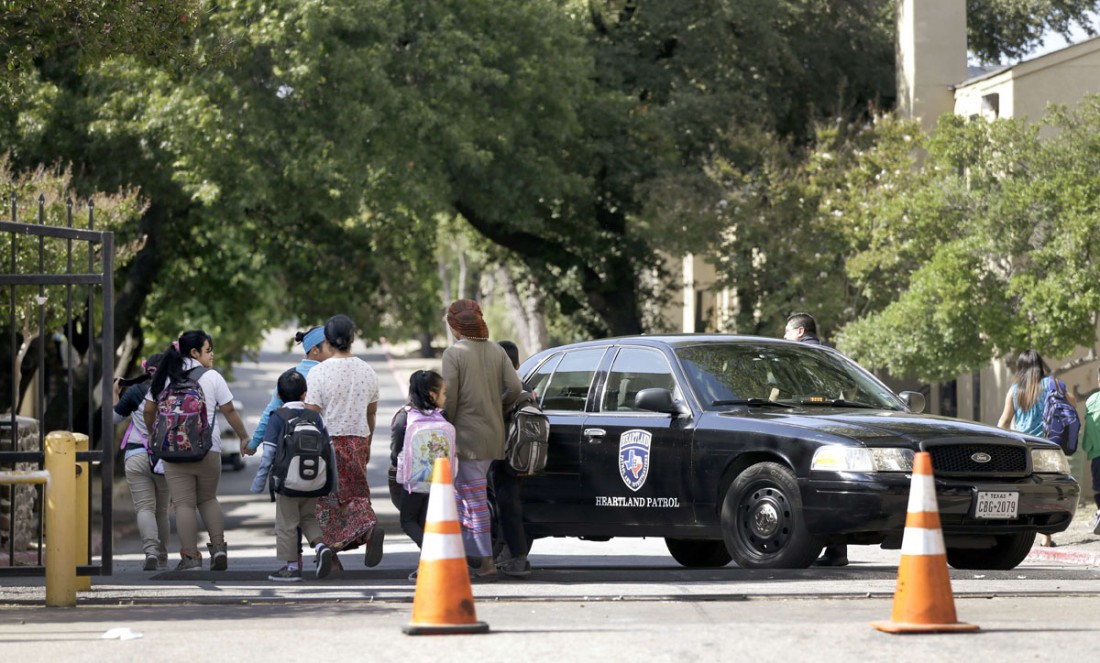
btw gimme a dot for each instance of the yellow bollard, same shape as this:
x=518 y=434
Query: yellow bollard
x=60 y=520
x=83 y=583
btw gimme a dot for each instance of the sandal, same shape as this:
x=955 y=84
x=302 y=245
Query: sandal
x=491 y=576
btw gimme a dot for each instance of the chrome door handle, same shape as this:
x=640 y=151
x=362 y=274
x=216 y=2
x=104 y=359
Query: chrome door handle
x=594 y=435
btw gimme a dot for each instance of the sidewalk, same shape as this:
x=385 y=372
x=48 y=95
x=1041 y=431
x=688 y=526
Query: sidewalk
x=1076 y=545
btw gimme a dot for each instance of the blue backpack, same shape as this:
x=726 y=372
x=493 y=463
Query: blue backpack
x=1061 y=423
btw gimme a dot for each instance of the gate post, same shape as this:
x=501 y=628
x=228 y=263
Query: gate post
x=83 y=583
x=60 y=520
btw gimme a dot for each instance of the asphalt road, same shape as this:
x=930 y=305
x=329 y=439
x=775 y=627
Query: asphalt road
x=622 y=599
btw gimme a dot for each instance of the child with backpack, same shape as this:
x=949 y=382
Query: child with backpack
x=181 y=409
x=299 y=466
x=420 y=433
x=144 y=473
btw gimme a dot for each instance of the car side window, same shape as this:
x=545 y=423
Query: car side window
x=569 y=385
x=635 y=369
x=536 y=382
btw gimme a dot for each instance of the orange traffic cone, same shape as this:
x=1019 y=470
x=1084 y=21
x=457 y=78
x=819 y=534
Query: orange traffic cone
x=444 y=602
x=923 y=602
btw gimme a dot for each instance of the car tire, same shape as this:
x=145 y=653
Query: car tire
x=763 y=524
x=1010 y=550
x=697 y=554
x=235 y=461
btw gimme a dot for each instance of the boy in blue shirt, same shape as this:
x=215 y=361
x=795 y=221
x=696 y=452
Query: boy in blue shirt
x=291 y=513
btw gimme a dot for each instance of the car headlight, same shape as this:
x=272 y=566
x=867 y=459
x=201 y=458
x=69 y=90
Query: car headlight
x=1049 y=461
x=836 y=458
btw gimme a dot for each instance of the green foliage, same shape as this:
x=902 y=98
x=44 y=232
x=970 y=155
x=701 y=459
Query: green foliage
x=53 y=189
x=989 y=245
x=296 y=155
x=1012 y=28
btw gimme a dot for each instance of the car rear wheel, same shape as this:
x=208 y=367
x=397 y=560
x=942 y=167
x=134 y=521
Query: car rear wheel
x=698 y=554
x=1010 y=550
x=762 y=520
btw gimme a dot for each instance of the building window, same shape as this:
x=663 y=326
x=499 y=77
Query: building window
x=991 y=106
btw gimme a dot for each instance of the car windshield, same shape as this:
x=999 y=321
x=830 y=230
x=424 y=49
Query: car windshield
x=763 y=375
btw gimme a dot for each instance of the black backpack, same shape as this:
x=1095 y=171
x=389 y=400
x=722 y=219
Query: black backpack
x=304 y=462
x=527 y=437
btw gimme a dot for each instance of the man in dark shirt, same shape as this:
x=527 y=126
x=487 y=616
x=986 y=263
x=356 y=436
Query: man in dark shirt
x=802 y=327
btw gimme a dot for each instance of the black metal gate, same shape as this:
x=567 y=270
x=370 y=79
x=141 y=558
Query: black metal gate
x=67 y=295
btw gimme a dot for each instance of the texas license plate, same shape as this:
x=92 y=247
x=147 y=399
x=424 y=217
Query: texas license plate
x=996 y=505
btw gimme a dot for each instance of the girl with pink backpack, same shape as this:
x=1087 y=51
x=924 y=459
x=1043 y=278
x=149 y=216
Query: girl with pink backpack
x=419 y=433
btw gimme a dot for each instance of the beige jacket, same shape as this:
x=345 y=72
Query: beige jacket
x=480 y=380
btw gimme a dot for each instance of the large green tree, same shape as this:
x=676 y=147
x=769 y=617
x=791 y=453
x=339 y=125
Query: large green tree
x=294 y=156
x=981 y=246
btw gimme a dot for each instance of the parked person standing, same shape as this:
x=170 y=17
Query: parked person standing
x=506 y=489
x=802 y=327
x=144 y=474
x=480 y=379
x=344 y=389
x=1091 y=445
x=1023 y=409
x=195 y=485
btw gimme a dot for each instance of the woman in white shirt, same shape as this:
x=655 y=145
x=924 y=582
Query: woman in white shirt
x=194 y=486
x=344 y=389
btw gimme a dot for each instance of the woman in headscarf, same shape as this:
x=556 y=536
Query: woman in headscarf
x=480 y=380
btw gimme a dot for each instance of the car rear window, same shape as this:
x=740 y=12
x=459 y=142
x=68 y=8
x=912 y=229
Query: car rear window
x=571 y=380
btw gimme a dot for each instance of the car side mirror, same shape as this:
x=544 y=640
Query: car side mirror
x=914 y=400
x=657 y=400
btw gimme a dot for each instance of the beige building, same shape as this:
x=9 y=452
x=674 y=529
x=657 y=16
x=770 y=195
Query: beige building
x=933 y=79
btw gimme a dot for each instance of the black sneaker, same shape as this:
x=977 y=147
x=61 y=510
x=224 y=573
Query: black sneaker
x=286 y=574
x=829 y=560
x=515 y=568
x=324 y=561
x=374 y=546
x=150 y=563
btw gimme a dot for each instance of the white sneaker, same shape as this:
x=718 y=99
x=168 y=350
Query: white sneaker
x=1096 y=524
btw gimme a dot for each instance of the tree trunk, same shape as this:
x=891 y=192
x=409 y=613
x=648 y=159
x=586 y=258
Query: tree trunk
x=610 y=288
x=538 y=339
x=516 y=310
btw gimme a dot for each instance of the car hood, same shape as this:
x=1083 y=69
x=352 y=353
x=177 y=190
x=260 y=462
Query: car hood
x=871 y=426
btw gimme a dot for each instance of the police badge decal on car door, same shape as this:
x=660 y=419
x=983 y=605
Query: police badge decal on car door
x=634 y=457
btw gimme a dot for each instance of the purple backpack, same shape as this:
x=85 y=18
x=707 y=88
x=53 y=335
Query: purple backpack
x=427 y=437
x=1061 y=423
x=182 y=433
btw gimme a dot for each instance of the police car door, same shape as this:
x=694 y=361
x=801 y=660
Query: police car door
x=562 y=385
x=634 y=462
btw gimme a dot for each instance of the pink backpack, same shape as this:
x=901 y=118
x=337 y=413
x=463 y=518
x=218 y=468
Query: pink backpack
x=427 y=437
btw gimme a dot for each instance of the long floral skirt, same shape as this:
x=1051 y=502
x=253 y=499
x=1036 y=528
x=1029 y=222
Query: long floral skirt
x=346 y=516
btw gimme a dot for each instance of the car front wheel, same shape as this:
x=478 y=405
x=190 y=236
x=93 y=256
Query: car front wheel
x=762 y=520
x=696 y=554
x=1010 y=550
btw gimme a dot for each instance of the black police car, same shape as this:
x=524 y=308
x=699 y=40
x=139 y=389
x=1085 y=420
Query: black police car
x=763 y=451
